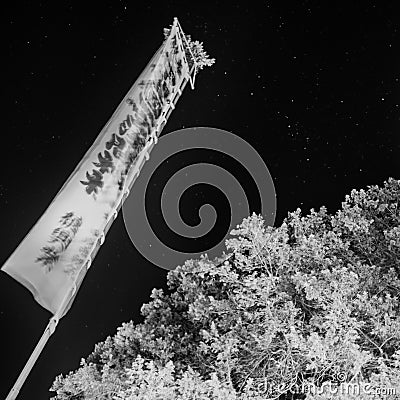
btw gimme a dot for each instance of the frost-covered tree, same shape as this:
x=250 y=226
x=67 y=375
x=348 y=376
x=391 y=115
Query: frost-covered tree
x=312 y=302
x=194 y=49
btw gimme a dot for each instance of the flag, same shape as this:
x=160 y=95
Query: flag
x=54 y=256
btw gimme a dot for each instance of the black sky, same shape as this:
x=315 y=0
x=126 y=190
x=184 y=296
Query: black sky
x=314 y=88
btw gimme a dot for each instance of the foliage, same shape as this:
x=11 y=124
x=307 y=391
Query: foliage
x=313 y=302
x=194 y=49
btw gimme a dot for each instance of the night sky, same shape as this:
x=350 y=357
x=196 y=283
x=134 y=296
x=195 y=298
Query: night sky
x=315 y=89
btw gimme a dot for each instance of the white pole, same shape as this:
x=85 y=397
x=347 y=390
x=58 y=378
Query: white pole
x=50 y=328
x=32 y=359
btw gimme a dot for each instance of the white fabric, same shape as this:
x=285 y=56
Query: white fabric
x=53 y=253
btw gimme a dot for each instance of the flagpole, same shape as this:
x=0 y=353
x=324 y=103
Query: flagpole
x=32 y=359
x=69 y=297
x=50 y=329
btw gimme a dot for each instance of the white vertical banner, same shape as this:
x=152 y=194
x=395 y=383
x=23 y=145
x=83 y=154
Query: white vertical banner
x=62 y=243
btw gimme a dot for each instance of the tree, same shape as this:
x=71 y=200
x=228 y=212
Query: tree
x=193 y=49
x=314 y=302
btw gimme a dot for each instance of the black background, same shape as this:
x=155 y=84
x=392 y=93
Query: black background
x=314 y=88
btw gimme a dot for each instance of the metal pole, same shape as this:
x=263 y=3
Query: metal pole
x=32 y=359
x=50 y=328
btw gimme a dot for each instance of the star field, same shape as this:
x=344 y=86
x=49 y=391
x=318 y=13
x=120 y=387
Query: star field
x=314 y=88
